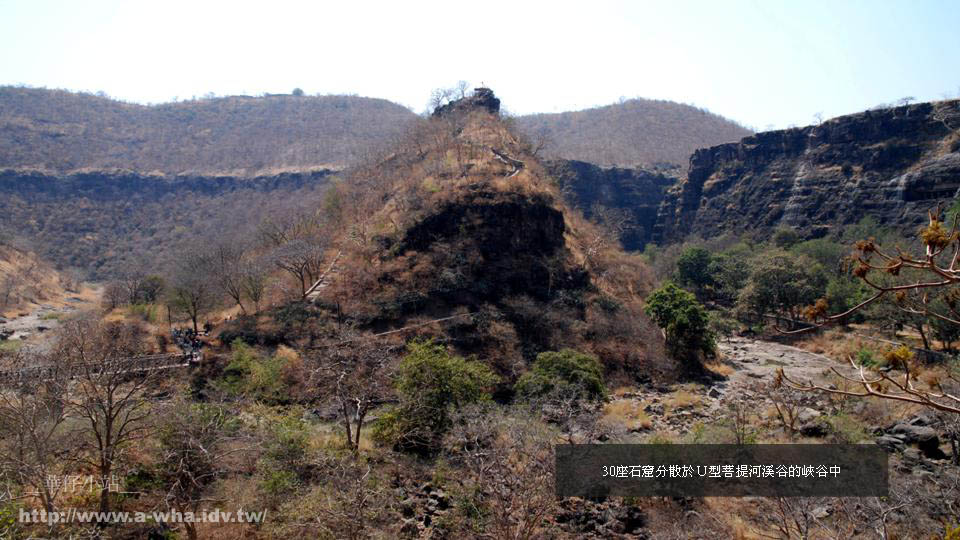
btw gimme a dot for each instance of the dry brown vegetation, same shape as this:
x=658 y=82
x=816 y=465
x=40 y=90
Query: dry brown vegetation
x=26 y=280
x=458 y=219
x=65 y=131
x=103 y=224
x=634 y=132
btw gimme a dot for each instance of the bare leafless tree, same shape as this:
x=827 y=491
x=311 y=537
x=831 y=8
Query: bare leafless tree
x=196 y=440
x=787 y=403
x=9 y=285
x=303 y=259
x=353 y=503
x=193 y=290
x=35 y=438
x=253 y=280
x=227 y=260
x=356 y=371
x=799 y=517
x=114 y=295
x=109 y=401
x=922 y=275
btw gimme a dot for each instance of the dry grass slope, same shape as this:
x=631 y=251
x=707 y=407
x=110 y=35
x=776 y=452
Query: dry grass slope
x=64 y=131
x=635 y=132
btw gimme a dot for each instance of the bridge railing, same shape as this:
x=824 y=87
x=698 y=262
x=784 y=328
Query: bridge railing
x=120 y=365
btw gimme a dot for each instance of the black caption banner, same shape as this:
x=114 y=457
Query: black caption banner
x=721 y=470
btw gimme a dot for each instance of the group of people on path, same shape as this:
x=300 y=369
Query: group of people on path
x=189 y=340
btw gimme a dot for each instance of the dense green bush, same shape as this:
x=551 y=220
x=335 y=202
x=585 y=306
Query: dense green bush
x=430 y=383
x=685 y=323
x=781 y=284
x=568 y=373
x=264 y=378
x=694 y=268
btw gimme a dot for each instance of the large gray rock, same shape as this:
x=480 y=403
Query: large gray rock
x=807 y=415
x=924 y=437
x=890 y=444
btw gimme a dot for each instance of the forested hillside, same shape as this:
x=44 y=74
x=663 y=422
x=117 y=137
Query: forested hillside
x=635 y=132
x=105 y=223
x=64 y=131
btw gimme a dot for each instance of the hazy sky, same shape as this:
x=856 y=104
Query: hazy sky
x=761 y=63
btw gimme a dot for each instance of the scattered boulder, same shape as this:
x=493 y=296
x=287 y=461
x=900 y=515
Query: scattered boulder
x=817 y=427
x=714 y=392
x=922 y=420
x=926 y=439
x=890 y=444
x=807 y=415
x=654 y=408
x=810 y=423
x=604 y=519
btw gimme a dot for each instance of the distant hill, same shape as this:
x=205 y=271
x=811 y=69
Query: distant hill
x=635 y=132
x=64 y=131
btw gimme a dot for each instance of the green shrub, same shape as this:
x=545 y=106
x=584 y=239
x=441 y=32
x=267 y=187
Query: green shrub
x=265 y=381
x=693 y=268
x=235 y=375
x=567 y=373
x=685 y=322
x=729 y=271
x=276 y=484
x=847 y=429
x=9 y=520
x=250 y=374
x=785 y=237
x=866 y=357
x=843 y=293
x=148 y=312
x=782 y=284
x=431 y=383
x=284 y=461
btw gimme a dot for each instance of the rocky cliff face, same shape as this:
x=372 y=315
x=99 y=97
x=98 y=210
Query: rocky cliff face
x=893 y=164
x=637 y=191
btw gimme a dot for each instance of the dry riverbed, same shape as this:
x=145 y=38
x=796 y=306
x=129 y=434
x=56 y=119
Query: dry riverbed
x=31 y=327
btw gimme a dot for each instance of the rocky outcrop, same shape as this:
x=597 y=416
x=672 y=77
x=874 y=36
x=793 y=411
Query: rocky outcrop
x=919 y=431
x=482 y=99
x=637 y=191
x=893 y=164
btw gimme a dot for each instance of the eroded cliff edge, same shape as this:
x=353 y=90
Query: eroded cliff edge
x=893 y=164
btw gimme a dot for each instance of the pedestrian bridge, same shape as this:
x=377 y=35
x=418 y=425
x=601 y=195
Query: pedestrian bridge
x=136 y=364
